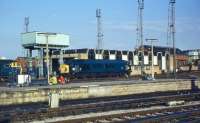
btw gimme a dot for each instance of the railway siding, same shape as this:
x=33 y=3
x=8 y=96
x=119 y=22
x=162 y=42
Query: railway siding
x=40 y=94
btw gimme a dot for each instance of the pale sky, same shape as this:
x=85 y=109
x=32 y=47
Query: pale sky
x=77 y=18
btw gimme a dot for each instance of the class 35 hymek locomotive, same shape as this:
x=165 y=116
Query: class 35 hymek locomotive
x=81 y=69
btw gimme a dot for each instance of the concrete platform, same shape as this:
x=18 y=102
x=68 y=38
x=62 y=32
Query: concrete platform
x=21 y=95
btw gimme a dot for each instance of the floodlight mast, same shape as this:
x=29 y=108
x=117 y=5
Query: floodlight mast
x=26 y=23
x=171 y=32
x=99 y=32
x=140 y=32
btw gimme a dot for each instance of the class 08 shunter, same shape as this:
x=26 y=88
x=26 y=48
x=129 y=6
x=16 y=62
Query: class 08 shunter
x=77 y=69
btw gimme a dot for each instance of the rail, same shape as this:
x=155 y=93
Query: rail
x=101 y=106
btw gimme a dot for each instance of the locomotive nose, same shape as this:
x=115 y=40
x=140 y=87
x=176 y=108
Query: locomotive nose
x=127 y=67
x=64 y=68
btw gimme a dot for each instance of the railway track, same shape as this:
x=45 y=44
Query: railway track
x=33 y=106
x=184 y=113
x=93 y=107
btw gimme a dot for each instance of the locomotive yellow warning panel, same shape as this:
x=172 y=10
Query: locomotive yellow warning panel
x=64 y=68
x=15 y=64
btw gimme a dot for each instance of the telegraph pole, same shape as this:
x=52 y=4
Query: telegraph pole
x=152 y=56
x=29 y=51
x=47 y=56
x=47 y=51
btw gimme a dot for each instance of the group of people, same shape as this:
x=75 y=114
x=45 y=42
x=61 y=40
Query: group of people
x=54 y=80
x=63 y=75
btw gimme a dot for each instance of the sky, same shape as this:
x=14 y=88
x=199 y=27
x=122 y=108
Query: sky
x=77 y=19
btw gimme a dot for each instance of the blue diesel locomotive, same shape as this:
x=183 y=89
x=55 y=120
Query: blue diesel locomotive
x=9 y=69
x=94 y=69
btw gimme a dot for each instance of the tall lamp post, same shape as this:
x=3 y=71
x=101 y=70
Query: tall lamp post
x=47 y=34
x=152 y=56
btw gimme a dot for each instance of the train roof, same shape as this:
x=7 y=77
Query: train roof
x=94 y=61
x=6 y=60
x=163 y=49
